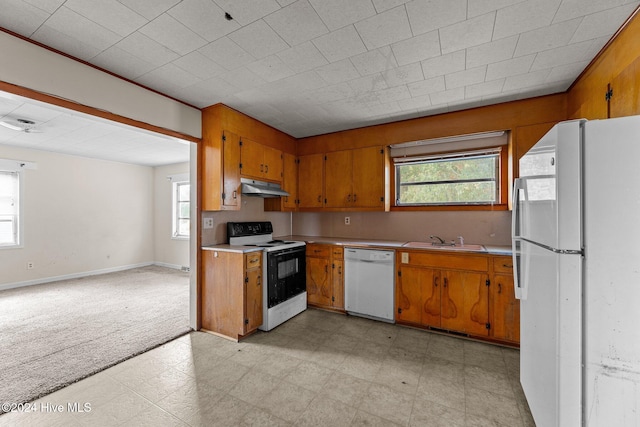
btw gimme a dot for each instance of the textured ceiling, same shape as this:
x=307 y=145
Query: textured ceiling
x=314 y=66
x=69 y=132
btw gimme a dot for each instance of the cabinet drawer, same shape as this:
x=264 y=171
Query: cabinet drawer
x=337 y=252
x=503 y=265
x=254 y=259
x=320 y=251
x=456 y=262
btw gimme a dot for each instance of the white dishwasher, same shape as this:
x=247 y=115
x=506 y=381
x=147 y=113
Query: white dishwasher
x=369 y=283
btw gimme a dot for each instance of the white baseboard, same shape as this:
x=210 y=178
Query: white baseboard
x=76 y=275
x=174 y=266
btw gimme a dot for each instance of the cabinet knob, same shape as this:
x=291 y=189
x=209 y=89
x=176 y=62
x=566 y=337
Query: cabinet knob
x=261 y=168
x=235 y=194
x=319 y=199
x=266 y=168
x=355 y=197
x=499 y=288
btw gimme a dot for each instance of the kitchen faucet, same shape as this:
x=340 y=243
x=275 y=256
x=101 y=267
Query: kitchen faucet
x=432 y=237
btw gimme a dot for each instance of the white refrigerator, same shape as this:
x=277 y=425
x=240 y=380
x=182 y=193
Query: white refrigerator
x=576 y=249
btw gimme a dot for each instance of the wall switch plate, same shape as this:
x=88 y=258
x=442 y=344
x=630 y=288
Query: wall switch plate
x=207 y=222
x=405 y=257
x=347 y=220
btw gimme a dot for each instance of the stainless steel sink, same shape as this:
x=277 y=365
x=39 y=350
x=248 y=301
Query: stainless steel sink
x=429 y=245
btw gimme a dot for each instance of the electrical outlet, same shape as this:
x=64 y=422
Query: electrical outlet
x=405 y=257
x=208 y=222
x=30 y=265
x=347 y=220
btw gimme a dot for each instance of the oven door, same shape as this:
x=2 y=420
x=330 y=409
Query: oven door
x=286 y=275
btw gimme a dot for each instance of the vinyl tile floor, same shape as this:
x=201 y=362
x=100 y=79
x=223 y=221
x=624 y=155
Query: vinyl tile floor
x=317 y=369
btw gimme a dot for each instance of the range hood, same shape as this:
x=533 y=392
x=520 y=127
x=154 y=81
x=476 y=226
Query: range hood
x=251 y=187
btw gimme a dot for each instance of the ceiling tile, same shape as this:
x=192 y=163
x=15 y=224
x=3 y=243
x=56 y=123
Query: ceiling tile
x=199 y=65
x=49 y=6
x=110 y=14
x=570 y=9
x=447 y=96
x=483 y=89
x=403 y=75
x=417 y=48
x=141 y=46
x=385 y=28
x=122 y=62
x=469 y=33
x=226 y=53
x=465 y=77
x=416 y=102
x=510 y=67
x=368 y=84
x=477 y=8
x=243 y=78
x=297 y=23
x=547 y=38
x=340 y=44
x=284 y=3
x=382 y=5
x=248 y=11
x=425 y=87
x=21 y=17
x=577 y=52
x=338 y=72
x=270 y=68
x=602 y=24
x=339 y=13
x=303 y=57
x=258 y=39
x=524 y=16
x=205 y=18
x=171 y=73
x=149 y=9
x=525 y=80
x=167 y=31
x=72 y=24
x=566 y=72
x=298 y=83
x=488 y=53
x=393 y=94
x=331 y=93
x=374 y=61
x=209 y=92
x=440 y=65
x=429 y=15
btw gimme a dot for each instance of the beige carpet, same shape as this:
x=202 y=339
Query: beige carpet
x=55 y=334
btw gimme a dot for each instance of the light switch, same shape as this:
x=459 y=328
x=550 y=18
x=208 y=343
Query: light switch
x=405 y=257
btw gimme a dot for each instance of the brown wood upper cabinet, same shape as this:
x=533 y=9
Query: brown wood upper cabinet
x=289 y=184
x=231 y=192
x=355 y=178
x=259 y=161
x=311 y=181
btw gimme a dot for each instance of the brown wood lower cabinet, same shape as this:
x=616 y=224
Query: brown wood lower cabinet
x=456 y=292
x=325 y=278
x=231 y=292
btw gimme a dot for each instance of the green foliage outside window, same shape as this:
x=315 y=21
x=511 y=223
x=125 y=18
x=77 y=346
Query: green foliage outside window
x=469 y=179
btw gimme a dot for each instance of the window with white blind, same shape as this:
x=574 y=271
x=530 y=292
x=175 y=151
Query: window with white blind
x=10 y=208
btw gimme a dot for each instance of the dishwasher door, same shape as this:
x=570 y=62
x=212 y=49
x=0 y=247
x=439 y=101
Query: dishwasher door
x=369 y=283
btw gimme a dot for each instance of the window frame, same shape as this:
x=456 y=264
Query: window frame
x=19 y=217
x=502 y=180
x=175 y=204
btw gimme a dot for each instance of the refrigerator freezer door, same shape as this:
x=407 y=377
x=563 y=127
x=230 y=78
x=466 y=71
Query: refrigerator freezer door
x=550 y=331
x=547 y=196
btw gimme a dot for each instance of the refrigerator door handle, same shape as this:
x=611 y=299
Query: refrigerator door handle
x=516 y=220
x=517 y=281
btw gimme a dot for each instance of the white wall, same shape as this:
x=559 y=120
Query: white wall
x=168 y=251
x=80 y=215
x=31 y=66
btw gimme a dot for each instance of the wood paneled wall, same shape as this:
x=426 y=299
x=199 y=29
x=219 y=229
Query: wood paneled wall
x=618 y=65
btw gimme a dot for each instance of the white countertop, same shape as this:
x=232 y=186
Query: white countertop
x=232 y=248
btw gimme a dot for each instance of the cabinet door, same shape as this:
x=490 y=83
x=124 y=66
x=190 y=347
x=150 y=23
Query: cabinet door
x=409 y=285
x=465 y=302
x=337 y=279
x=368 y=177
x=505 y=309
x=337 y=171
x=310 y=180
x=231 y=170
x=252 y=156
x=253 y=299
x=431 y=290
x=318 y=283
x=290 y=180
x=625 y=100
x=272 y=164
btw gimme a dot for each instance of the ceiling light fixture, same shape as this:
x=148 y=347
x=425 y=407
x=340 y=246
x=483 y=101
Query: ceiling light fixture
x=10 y=126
